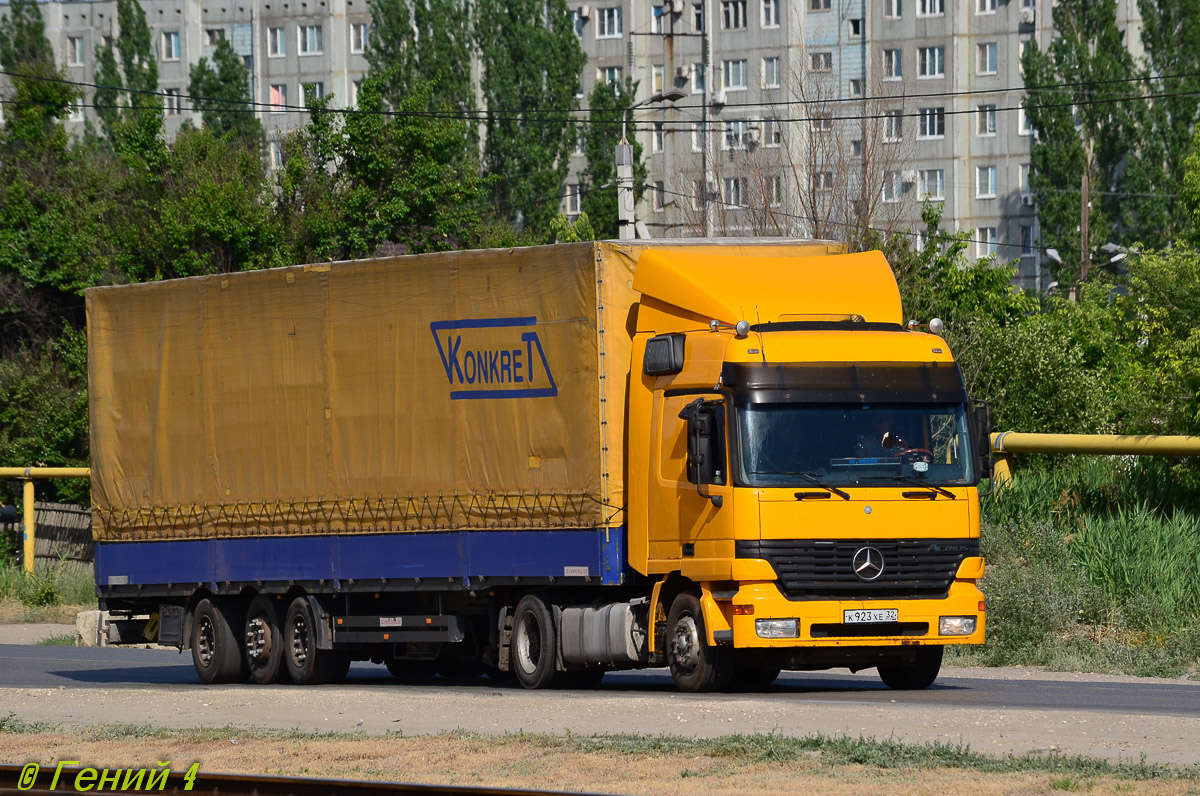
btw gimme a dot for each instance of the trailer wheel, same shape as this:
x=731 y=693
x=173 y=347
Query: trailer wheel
x=695 y=666
x=216 y=653
x=264 y=642
x=306 y=664
x=920 y=674
x=534 y=643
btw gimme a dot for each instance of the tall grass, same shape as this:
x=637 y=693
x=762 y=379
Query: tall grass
x=52 y=583
x=1093 y=565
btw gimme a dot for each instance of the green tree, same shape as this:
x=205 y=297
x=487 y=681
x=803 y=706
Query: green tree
x=419 y=42
x=127 y=74
x=39 y=99
x=531 y=62
x=1089 y=123
x=606 y=106
x=222 y=89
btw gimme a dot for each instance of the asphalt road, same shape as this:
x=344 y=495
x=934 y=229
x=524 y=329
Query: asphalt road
x=994 y=710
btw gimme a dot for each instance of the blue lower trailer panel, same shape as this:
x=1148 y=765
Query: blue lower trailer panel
x=598 y=553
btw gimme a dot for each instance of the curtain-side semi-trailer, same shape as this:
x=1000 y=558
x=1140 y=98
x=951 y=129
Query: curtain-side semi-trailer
x=728 y=458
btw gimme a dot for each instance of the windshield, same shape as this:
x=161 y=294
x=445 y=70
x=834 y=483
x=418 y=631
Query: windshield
x=790 y=444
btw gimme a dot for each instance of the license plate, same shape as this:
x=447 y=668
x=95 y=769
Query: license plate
x=869 y=615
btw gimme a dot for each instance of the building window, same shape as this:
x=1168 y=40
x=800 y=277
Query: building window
x=986 y=58
x=931 y=62
x=893 y=121
x=821 y=62
x=1026 y=241
x=770 y=13
x=892 y=9
x=819 y=5
x=660 y=197
x=734 y=74
x=856 y=87
x=278 y=97
x=733 y=14
x=1023 y=125
x=170 y=45
x=577 y=22
x=933 y=184
x=609 y=74
x=276 y=155
x=276 y=43
x=985 y=6
x=1023 y=172
x=892 y=69
x=697 y=78
x=76 y=110
x=775 y=191
x=822 y=123
x=733 y=193
x=571 y=199
x=737 y=134
x=856 y=147
x=310 y=39
x=656 y=18
x=931 y=8
x=892 y=187
x=74 y=51
x=985 y=182
x=985 y=120
x=312 y=92
x=173 y=107
x=699 y=194
x=697 y=17
x=856 y=28
x=610 y=23
x=213 y=36
x=772 y=133
x=822 y=181
x=358 y=37
x=985 y=241
x=656 y=77
x=659 y=141
x=355 y=88
x=770 y=76
x=932 y=123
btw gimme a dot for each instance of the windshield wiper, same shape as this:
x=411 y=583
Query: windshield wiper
x=904 y=479
x=812 y=479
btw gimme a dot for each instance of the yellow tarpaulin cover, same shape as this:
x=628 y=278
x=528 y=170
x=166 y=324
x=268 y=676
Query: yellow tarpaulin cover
x=464 y=390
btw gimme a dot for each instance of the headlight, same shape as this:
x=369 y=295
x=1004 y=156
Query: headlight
x=777 y=628
x=956 y=625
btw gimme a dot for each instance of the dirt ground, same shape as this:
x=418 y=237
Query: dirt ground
x=528 y=763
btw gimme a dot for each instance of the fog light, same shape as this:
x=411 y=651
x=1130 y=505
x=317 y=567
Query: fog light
x=956 y=625
x=777 y=628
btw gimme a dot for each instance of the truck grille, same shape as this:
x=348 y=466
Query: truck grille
x=823 y=569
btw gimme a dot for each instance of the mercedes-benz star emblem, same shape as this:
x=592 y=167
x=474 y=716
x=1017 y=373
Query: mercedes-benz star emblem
x=867 y=563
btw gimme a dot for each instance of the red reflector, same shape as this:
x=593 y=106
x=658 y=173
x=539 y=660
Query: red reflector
x=743 y=610
x=982 y=606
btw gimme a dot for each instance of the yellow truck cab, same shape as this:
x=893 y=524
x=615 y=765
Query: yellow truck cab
x=802 y=471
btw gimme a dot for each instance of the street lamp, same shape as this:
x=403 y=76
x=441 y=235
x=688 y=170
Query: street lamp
x=626 y=220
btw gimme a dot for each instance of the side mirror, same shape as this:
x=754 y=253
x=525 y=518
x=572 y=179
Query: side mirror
x=981 y=417
x=705 y=445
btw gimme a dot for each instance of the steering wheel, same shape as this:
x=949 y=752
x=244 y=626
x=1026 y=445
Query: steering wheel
x=912 y=455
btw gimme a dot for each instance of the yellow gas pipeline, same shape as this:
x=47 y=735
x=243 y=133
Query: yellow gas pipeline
x=27 y=474
x=1006 y=443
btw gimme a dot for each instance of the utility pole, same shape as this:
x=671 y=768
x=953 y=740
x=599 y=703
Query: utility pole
x=626 y=220
x=1084 y=208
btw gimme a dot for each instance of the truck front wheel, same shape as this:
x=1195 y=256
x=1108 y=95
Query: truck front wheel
x=695 y=666
x=216 y=653
x=306 y=664
x=534 y=643
x=920 y=674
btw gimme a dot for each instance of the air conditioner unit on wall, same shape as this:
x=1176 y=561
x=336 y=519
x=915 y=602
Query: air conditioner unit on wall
x=584 y=12
x=1027 y=199
x=909 y=176
x=677 y=7
x=1027 y=16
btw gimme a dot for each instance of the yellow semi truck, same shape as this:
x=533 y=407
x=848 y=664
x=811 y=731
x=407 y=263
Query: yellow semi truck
x=728 y=457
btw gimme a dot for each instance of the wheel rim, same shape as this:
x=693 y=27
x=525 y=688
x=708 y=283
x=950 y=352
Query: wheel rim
x=685 y=646
x=206 y=641
x=529 y=644
x=299 y=641
x=258 y=639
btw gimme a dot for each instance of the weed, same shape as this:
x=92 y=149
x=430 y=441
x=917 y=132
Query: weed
x=65 y=640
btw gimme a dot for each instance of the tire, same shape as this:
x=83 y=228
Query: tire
x=216 y=650
x=264 y=642
x=534 y=647
x=695 y=666
x=306 y=664
x=920 y=674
